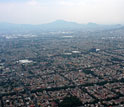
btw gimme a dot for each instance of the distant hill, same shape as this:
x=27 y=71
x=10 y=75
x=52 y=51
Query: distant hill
x=53 y=26
x=117 y=31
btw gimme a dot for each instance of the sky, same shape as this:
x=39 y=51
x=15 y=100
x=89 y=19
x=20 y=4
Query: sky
x=45 y=11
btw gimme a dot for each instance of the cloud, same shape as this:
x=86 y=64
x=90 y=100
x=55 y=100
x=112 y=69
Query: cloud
x=32 y=2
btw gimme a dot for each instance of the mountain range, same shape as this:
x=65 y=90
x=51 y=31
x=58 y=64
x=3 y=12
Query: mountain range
x=54 y=26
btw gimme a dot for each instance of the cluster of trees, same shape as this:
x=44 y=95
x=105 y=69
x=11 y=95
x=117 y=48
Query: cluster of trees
x=71 y=101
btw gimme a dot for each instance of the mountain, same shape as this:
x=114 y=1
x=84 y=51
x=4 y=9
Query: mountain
x=53 y=26
x=61 y=25
x=10 y=27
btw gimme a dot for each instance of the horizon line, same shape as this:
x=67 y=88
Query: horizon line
x=4 y=22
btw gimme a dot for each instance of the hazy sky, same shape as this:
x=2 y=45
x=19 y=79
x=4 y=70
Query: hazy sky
x=45 y=11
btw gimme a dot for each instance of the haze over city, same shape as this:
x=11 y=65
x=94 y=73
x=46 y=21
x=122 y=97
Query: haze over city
x=45 y=11
x=61 y=53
